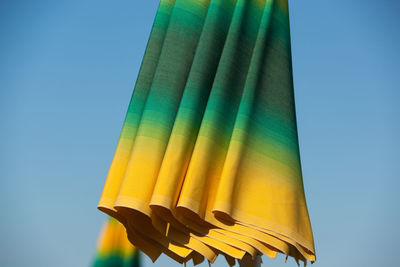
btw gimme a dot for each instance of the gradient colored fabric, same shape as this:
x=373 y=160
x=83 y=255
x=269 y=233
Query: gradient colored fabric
x=208 y=160
x=114 y=248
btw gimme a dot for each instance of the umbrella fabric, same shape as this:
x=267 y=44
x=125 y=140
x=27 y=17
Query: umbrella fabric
x=114 y=248
x=208 y=159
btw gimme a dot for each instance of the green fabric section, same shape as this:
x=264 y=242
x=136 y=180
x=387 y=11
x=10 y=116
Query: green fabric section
x=219 y=69
x=117 y=260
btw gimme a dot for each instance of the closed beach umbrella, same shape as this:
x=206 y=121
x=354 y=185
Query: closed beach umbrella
x=208 y=159
x=114 y=248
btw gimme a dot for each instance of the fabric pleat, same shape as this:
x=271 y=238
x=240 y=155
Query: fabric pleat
x=208 y=160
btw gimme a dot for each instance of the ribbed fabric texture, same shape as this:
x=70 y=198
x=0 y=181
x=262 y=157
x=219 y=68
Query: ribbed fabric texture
x=208 y=160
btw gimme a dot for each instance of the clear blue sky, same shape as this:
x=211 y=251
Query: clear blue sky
x=67 y=69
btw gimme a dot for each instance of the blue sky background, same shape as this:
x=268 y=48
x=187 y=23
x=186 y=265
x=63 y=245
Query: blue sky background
x=67 y=69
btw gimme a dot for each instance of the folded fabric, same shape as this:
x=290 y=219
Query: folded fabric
x=208 y=159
